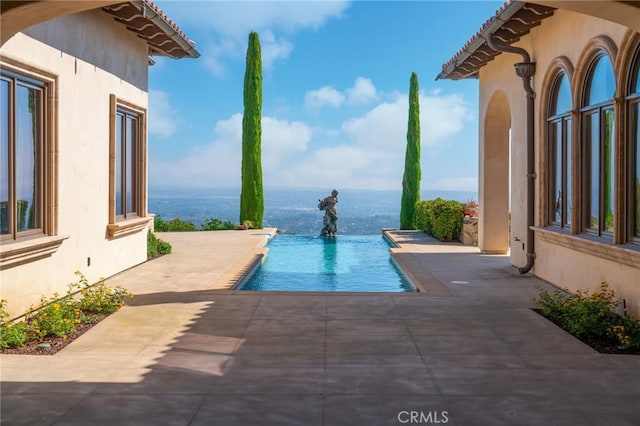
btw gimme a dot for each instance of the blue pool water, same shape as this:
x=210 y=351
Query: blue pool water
x=342 y=263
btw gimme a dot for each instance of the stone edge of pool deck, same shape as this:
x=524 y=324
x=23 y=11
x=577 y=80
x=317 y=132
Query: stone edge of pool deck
x=188 y=350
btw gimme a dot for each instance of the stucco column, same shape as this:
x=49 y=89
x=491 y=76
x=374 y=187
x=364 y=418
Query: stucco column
x=493 y=225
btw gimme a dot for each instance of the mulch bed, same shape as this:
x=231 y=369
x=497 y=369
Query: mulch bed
x=604 y=345
x=56 y=343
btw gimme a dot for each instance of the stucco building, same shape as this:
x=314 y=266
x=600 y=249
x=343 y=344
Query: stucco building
x=73 y=142
x=559 y=153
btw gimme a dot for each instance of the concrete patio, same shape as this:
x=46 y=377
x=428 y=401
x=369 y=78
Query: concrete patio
x=189 y=351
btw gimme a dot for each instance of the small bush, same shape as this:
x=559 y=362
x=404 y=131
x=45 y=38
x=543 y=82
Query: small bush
x=60 y=316
x=213 y=224
x=56 y=317
x=99 y=298
x=173 y=225
x=591 y=316
x=12 y=334
x=440 y=218
x=156 y=247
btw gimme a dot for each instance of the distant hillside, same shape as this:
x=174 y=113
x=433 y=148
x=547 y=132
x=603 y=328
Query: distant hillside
x=361 y=212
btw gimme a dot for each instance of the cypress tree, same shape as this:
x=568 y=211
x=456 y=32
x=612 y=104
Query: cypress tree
x=251 y=195
x=412 y=172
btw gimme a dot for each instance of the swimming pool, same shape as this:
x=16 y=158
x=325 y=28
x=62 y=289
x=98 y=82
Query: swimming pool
x=358 y=263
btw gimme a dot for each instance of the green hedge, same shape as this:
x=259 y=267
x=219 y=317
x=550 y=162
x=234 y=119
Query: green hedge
x=178 y=225
x=156 y=247
x=440 y=218
x=173 y=225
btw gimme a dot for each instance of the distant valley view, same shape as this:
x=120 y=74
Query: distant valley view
x=294 y=211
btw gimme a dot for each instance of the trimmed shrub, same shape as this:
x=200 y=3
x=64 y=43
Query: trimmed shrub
x=173 y=225
x=156 y=247
x=12 y=334
x=213 y=224
x=440 y=218
x=590 y=315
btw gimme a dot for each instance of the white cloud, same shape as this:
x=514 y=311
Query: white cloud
x=218 y=164
x=326 y=95
x=231 y=22
x=440 y=117
x=237 y=18
x=368 y=152
x=162 y=118
x=273 y=48
x=362 y=91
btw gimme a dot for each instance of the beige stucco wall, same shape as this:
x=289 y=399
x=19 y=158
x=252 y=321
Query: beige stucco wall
x=564 y=34
x=109 y=59
x=498 y=80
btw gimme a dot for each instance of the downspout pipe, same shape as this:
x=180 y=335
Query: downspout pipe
x=525 y=70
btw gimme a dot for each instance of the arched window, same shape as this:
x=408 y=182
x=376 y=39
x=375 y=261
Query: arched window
x=559 y=123
x=599 y=147
x=633 y=103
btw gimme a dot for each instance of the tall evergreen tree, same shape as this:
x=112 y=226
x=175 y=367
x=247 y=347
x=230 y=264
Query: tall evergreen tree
x=412 y=172
x=251 y=196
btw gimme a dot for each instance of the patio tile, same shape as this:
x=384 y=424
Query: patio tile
x=515 y=409
x=365 y=410
x=368 y=327
x=617 y=410
x=447 y=360
x=20 y=409
x=492 y=382
x=269 y=381
x=282 y=345
x=250 y=359
x=359 y=307
x=291 y=306
x=168 y=409
x=285 y=326
x=222 y=327
x=349 y=360
x=371 y=345
x=484 y=343
x=260 y=410
x=383 y=380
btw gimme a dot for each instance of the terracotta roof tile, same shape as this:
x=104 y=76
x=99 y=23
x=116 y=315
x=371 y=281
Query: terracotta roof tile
x=510 y=22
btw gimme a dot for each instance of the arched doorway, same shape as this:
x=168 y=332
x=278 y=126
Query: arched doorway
x=493 y=226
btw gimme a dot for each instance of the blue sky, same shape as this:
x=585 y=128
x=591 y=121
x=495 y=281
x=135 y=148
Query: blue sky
x=335 y=94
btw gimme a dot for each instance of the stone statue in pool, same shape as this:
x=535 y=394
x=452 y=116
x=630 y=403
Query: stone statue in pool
x=330 y=220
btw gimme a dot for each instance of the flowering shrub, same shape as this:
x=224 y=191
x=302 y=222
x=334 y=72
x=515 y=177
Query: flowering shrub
x=12 y=334
x=591 y=316
x=59 y=317
x=56 y=318
x=98 y=298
